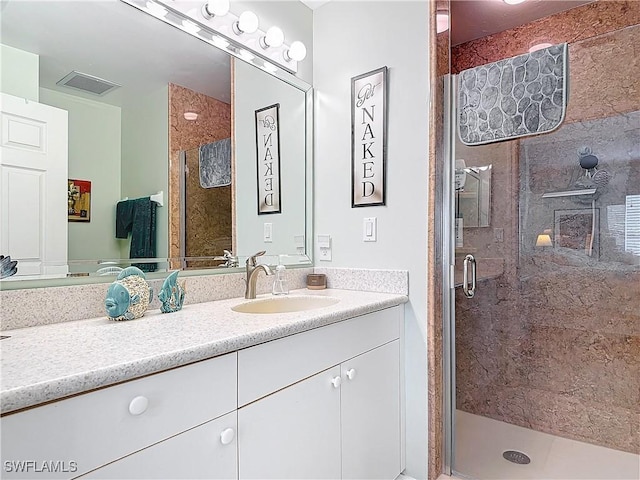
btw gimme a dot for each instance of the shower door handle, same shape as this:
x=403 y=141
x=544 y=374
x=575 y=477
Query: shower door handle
x=469 y=260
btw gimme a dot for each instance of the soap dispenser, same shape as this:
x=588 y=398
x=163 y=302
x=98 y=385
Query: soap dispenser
x=280 y=286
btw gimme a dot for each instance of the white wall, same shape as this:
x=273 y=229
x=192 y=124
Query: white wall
x=351 y=38
x=94 y=155
x=256 y=89
x=19 y=72
x=145 y=153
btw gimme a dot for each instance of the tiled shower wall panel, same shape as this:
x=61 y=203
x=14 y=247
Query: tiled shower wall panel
x=208 y=222
x=554 y=343
x=213 y=123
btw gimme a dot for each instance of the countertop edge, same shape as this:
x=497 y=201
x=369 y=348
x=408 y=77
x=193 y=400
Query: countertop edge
x=29 y=396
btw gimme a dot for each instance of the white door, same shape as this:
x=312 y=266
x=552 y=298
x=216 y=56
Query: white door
x=371 y=414
x=33 y=186
x=293 y=433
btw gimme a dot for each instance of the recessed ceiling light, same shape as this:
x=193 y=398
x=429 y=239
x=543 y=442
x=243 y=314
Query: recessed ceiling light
x=539 y=46
x=513 y=2
x=191 y=116
x=442 y=22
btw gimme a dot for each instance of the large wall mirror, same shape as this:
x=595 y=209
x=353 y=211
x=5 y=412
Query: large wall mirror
x=181 y=113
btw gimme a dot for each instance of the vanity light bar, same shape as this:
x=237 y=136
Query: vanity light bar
x=219 y=32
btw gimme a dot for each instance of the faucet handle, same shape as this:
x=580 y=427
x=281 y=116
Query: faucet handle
x=252 y=259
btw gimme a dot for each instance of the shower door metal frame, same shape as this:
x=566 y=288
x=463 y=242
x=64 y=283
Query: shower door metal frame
x=183 y=209
x=448 y=280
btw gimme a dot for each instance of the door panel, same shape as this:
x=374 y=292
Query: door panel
x=293 y=433
x=33 y=165
x=371 y=414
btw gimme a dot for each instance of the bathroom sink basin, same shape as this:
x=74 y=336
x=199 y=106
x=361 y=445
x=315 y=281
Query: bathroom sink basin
x=285 y=304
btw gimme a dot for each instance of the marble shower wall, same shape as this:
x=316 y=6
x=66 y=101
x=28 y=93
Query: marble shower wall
x=439 y=64
x=209 y=210
x=209 y=216
x=553 y=343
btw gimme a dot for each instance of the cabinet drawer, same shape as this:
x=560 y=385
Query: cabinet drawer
x=268 y=367
x=197 y=453
x=90 y=430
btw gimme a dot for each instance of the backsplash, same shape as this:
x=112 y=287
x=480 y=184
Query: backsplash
x=43 y=306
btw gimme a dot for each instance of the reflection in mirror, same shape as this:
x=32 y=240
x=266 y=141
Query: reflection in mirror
x=473 y=196
x=127 y=141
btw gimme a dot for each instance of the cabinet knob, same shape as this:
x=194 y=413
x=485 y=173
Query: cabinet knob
x=336 y=382
x=351 y=373
x=138 y=405
x=226 y=437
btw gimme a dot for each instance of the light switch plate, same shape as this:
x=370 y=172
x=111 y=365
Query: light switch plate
x=324 y=244
x=370 y=229
x=268 y=232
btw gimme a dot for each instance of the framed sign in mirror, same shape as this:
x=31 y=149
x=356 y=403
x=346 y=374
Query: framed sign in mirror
x=268 y=158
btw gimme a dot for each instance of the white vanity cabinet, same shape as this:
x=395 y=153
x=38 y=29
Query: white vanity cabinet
x=293 y=433
x=370 y=413
x=204 y=452
x=71 y=437
x=323 y=403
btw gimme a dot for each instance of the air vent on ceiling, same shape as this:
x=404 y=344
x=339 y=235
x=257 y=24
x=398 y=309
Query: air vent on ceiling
x=87 y=83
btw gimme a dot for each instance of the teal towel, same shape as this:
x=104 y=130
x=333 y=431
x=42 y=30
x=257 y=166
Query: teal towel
x=138 y=217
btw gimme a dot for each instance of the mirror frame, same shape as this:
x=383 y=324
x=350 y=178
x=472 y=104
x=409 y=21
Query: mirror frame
x=282 y=75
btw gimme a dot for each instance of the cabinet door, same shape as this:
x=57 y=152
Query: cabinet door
x=371 y=414
x=293 y=433
x=207 y=451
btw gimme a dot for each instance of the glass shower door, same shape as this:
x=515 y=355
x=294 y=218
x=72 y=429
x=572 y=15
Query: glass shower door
x=547 y=351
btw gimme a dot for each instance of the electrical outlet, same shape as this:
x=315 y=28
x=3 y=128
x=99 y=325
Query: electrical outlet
x=324 y=244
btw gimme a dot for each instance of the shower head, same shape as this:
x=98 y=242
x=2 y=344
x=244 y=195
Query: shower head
x=588 y=162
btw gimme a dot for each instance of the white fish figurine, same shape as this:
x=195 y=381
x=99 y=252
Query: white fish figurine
x=129 y=296
x=172 y=294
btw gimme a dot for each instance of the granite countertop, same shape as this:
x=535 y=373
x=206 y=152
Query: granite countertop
x=50 y=362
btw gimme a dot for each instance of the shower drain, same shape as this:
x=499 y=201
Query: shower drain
x=515 y=456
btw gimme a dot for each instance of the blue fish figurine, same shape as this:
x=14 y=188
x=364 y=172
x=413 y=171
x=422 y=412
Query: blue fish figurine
x=129 y=296
x=172 y=294
x=7 y=266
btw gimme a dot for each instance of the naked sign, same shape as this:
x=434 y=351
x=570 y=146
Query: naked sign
x=268 y=158
x=368 y=138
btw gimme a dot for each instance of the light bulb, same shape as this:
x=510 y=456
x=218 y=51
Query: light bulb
x=190 y=27
x=273 y=38
x=269 y=67
x=215 y=8
x=219 y=42
x=246 y=56
x=247 y=23
x=297 y=51
x=191 y=116
x=513 y=2
x=156 y=10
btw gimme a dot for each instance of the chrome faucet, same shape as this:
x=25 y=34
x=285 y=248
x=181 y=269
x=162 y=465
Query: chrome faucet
x=252 y=274
x=230 y=261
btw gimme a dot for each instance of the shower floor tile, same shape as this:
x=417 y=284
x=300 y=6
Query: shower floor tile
x=480 y=442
